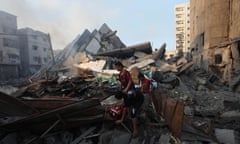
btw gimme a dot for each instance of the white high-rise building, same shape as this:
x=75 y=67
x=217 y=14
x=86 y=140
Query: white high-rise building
x=182 y=22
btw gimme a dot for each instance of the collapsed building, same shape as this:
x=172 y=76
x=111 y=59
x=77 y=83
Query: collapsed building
x=98 y=41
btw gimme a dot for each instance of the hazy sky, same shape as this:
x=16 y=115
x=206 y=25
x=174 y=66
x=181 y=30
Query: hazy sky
x=136 y=21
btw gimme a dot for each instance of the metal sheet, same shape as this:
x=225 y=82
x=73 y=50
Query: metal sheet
x=171 y=110
x=177 y=119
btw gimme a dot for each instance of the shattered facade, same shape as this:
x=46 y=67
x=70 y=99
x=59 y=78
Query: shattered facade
x=9 y=50
x=215 y=36
x=35 y=49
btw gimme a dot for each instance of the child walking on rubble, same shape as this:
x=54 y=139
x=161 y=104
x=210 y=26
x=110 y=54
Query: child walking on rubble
x=132 y=99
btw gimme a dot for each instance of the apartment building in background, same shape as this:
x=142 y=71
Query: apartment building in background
x=215 y=37
x=9 y=50
x=35 y=50
x=182 y=23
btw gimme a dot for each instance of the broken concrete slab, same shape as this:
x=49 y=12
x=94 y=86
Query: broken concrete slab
x=142 y=64
x=139 y=54
x=163 y=66
x=81 y=57
x=96 y=66
x=128 y=51
x=115 y=137
x=159 y=55
x=181 y=61
x=231 y=115
x=185 y=67
x=164 y=139
x=227 y=136
x=8 y=89
x=234 y=84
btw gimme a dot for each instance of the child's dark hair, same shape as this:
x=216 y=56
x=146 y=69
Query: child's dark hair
x=118 y=63
x=140 y=75
x=119 y=94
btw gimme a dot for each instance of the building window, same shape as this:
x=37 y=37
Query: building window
x=44 y=49
x=202 y=38
x=37 y=59
x=44 y=39
x=179 y=15
x=218 y=59
x=45 y=60
x=8 y=30
x=179 y=9
x=34 y=47
x=180 y=28
x=1 y=56
x=9 y=43
x=179 y=22
x=34 y=37
x=238 y=46
x=13 y=56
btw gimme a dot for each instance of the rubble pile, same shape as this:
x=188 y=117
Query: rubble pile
x=210 y=106
x=68 y=102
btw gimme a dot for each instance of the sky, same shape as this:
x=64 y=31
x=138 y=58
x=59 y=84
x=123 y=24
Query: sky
x=136 y=21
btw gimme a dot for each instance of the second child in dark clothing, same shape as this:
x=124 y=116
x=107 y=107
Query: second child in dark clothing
x=132 y=102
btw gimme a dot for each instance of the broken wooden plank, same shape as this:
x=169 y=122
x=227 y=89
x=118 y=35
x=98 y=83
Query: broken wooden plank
x=10 y=106
x=43 y=120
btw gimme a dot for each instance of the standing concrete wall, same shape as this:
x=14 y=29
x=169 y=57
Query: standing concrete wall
x=215 y=36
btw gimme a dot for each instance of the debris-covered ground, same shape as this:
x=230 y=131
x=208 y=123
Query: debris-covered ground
x=68 y=102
